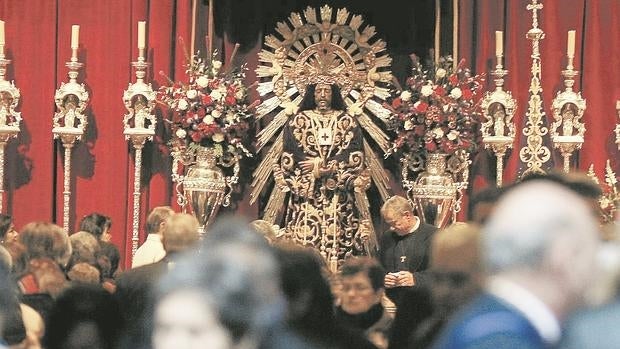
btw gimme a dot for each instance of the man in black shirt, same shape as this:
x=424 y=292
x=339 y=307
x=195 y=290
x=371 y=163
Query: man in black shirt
x=404 y=250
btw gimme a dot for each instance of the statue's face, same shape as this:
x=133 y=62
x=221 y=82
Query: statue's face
x=323 y=96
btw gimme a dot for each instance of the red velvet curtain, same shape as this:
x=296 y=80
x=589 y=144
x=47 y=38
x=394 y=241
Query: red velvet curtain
x=38 y=43
x=597 y=23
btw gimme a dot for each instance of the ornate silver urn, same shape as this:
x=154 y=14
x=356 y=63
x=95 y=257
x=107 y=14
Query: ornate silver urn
x=205 y=187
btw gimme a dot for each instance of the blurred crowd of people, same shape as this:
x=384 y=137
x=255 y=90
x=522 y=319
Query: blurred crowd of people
x=533 y=268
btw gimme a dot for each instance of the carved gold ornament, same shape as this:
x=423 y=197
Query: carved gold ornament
x=328 y=207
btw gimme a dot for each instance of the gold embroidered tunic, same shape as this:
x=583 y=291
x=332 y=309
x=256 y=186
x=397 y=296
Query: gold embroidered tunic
x=321 y=209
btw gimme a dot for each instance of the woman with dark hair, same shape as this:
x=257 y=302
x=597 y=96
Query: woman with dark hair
x=322 y=170
x=310 y=312
x=361 y=294
x=96 y=224
x=7 y=229
x=84 y=316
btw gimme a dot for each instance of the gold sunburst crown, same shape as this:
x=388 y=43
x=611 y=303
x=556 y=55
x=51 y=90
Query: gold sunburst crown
x=323 y=46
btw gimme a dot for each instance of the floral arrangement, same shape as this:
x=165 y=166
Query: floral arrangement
x=210 y=109
x=438 y=111
x=609 y=201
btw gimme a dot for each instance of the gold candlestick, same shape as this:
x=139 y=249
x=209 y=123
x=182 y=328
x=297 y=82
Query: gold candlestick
x=139 y=126
x=69 y=124
x=498 y=131
x=568 y=106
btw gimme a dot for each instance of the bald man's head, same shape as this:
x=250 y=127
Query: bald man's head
x=180 y=233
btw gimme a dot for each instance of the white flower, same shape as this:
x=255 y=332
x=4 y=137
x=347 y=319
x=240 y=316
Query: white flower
x=427 y=90
x=438 y=132
x=408 y=125
x=216 y=95
x=440 y=73
x=208 y=119
x=217 y=65
x=230 y=117
x=191 y=94
x=456 y=93
x=216 y=113
x=181 y=133
x=202 y=81
x=183 y=105
x=218 y=137
x=405 y=96
x=452 y=135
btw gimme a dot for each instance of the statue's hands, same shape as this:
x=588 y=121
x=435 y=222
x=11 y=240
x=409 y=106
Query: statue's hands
x=314 y=166
x=306 y=166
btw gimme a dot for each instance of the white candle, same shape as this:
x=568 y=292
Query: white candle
x=1 y=32
x=141 y=35
x=570 y=47
x=499 y=43
x=75 y=36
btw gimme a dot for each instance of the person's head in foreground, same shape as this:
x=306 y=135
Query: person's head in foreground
x=221 y=297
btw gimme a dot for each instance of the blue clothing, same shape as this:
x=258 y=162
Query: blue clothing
x=594 y=328
x=490 y=323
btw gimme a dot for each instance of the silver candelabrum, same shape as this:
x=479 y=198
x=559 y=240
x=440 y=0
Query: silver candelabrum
x=139 y=126
x=498 y=130
x=568 y=106
x=69 y=123
x=9 y=118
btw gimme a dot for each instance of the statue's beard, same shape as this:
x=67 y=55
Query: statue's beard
x=323 y=105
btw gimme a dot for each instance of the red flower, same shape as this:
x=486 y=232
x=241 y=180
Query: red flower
x=467 y=94
x=230 y=100
x=431 y=146
x=397 y=102
x=207 y=100
x=421 y=107
x=454 y=79
x=196 y=136
x=440 y=91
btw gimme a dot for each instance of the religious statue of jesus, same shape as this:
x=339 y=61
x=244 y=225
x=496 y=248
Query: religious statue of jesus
x=321 y=166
